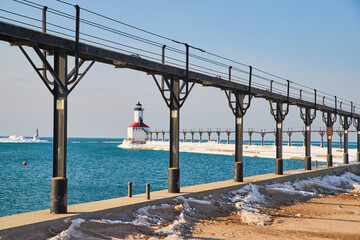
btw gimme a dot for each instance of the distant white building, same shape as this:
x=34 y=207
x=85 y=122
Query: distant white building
x=137 y=132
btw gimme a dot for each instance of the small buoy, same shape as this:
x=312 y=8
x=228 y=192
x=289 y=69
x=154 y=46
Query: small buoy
x=246 y=146
x=24 y=163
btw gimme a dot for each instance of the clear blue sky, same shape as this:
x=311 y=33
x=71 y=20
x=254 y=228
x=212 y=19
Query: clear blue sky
x=314 y=43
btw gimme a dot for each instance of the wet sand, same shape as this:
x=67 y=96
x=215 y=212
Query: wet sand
x=330 y=217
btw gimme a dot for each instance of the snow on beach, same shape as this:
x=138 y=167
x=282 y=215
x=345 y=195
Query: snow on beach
x=267 y=151
x=175 y=219
x=21 y=139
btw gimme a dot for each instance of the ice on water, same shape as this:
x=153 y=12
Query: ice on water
x=173 y=220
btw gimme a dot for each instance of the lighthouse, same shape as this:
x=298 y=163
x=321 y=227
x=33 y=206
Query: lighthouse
x=137 y=132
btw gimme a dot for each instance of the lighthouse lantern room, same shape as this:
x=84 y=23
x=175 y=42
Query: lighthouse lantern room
x=137 y=132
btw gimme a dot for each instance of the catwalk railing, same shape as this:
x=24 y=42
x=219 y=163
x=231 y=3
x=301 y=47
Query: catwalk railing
x=145 y=49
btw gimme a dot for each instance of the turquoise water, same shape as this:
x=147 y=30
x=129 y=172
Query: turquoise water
x=97 y=169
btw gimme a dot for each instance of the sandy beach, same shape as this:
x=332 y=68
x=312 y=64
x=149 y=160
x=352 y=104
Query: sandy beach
x=329 y=217
x=267 y=151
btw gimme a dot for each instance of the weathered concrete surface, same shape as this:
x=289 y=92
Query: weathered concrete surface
x=12 y=227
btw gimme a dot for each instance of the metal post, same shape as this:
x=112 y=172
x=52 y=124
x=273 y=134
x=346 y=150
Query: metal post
x=192 y=137
x=200 y=133
x=345 y=123
x=184 y=136
x=308 y=140
x=357 y=127
x=163 y=136
x=129 y=189
x=228 y=138
x=157 y=136
x=279 y=159
x=329 y=151
x=322 y=133
x=148 y=191
x=218 y=138
x=59 y=180
x=329 y=133
x=262 y=138
x=322 y=141
x=250 y=136
x=209 y=137
x=174 y=170
x=289 y=139
x=238 y=166
x=340 y=137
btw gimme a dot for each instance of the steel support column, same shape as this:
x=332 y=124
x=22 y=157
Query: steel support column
x=346 y=122
x=346 y=147
x=279 y=115
x=329 y=133
x=321 y=133
x=171 y=85
x=62 y=80
x=329 y=151
x=239 y=134
x=357 y=126
x=59 y=180
x=307 y=145
x=289 y=135
x=358 y=146
x=308 y=140
x=239 y=108
x=262 y=138
x=307 y=116
x=250 y=136
x=278 y=140
x=174 y=169
x=329 y=119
